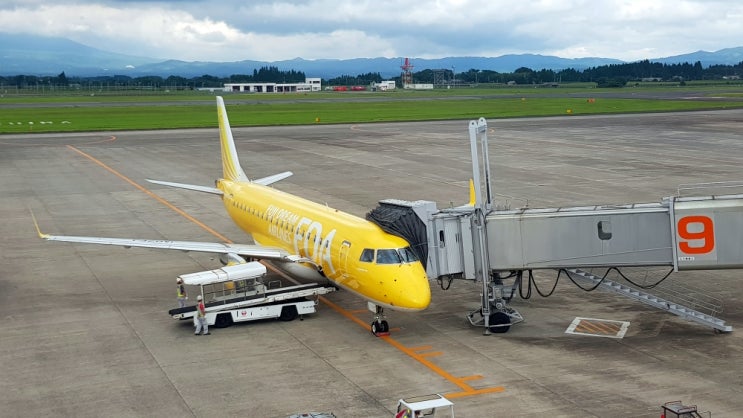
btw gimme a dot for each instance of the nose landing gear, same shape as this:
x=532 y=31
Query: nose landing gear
x=379 y=326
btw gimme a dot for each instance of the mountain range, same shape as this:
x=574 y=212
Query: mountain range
x=49 y=56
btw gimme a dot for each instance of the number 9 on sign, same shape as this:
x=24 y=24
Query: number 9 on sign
x=697 y=234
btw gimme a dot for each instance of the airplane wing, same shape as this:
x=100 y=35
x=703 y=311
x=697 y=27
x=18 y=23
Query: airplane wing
x=245 y=250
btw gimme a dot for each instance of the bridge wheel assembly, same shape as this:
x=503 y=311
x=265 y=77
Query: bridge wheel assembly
x=500 y=322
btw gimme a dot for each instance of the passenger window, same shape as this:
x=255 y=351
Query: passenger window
x=367 y=256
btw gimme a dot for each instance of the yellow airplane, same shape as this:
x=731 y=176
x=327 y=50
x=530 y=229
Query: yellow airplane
x=303 y=238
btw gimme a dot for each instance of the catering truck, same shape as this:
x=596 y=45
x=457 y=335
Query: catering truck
x=239 y=293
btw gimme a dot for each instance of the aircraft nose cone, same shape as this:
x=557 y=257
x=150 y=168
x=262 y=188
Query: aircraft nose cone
x=418 y=293
x=422 y=299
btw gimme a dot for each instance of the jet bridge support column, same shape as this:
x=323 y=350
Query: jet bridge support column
x=493 y=291
x=478 y=131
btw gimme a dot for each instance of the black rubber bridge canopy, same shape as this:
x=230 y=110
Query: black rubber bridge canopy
x=403 y=222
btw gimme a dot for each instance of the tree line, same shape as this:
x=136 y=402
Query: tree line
x=609 y=75
x=267 y=74
x=613 y=75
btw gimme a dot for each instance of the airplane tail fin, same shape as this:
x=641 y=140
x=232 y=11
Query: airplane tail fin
x=231 y=169
x=473 y=196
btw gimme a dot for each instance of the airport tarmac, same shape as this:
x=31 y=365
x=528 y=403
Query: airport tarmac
x=86 y=331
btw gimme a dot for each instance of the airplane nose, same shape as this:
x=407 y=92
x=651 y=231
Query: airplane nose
x=418 y=293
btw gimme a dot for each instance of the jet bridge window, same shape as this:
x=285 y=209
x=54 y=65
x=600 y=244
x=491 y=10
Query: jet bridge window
x=604 y=230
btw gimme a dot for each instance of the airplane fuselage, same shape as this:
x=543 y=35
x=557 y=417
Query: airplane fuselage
x=338 y=242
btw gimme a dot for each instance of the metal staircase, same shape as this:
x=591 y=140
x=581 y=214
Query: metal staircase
x=654 y=300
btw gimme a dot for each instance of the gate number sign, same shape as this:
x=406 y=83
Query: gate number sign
x=696 y=234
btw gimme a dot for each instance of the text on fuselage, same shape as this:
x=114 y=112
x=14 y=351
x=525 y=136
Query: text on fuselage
x=304 y=234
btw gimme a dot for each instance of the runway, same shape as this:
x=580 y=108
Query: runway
x=86 y=330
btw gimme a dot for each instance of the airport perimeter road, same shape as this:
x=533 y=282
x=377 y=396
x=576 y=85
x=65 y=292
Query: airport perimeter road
x=86 y=331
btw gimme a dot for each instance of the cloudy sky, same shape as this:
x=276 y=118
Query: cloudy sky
x=234 y=30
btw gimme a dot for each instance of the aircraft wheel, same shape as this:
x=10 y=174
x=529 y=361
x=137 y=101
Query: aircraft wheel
x=223 y=320
x=380 y=327
x=499 y=318
x=288 y=313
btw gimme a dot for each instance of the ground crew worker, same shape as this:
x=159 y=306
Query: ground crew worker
x=201 y=324
x=181 y=293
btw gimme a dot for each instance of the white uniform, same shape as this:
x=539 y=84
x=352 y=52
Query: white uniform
x=201 y=323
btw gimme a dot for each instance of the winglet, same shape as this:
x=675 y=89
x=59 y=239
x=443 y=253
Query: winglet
x=36 y=224
x=231 y=169
x=472 y=193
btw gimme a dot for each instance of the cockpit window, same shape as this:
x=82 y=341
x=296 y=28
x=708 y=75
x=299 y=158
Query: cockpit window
x=391 y=256
x=407 y=255
x=388 y=257
x=367 y=255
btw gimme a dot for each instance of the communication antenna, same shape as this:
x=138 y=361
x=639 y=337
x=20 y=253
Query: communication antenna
x=407 y=73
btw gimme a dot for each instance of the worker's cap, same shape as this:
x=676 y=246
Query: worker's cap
x=179 y=280
x=198 y=297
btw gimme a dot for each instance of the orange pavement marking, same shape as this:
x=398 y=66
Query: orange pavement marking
x=38 y=144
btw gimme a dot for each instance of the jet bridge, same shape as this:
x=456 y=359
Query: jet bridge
x=489 y=244
x=686 y=233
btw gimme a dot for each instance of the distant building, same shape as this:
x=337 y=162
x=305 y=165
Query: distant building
x=309 y=85
x=383 y=85
x=419 y=86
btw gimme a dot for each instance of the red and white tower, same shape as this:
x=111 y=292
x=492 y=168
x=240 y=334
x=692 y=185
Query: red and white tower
x=407 y=73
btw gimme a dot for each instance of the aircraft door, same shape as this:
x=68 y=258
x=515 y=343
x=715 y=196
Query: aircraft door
x=345 y=247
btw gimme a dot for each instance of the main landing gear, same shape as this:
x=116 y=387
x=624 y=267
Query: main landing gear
x=379 y=326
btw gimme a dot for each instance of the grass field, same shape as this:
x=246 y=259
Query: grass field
x=100 y=112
